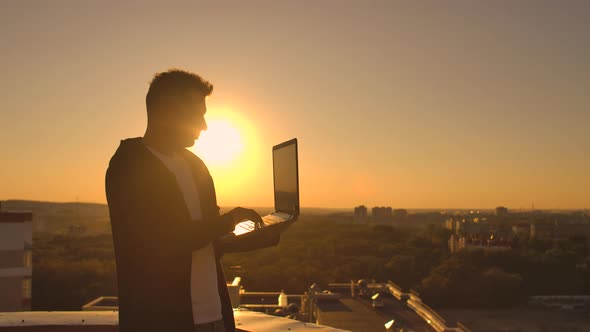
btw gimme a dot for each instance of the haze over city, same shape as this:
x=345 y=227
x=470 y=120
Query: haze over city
x=454 y=105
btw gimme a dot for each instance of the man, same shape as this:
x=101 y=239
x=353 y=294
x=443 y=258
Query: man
x=167 y=230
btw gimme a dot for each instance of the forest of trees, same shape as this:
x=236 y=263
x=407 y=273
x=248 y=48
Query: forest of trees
x=69 y=271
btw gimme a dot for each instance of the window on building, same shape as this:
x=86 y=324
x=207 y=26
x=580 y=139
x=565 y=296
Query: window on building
x=28 y=259
x=26 y=288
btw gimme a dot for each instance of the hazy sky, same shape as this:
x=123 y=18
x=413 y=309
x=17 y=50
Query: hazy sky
x=408 y=104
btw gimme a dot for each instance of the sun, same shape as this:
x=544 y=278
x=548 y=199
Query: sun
x=232 y=149
x=220 y=144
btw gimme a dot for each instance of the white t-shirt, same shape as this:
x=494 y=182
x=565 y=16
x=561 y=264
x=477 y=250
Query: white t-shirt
x=204 y=293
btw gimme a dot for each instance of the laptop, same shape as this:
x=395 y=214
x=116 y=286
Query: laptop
x=286 y=188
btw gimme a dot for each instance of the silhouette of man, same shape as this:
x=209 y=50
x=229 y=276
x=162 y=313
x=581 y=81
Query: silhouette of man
x=167 y=230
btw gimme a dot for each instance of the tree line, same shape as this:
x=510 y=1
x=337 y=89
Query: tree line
x=69 y=271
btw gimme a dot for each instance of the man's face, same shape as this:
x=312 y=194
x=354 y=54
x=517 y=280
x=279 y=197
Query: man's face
x=188 y=120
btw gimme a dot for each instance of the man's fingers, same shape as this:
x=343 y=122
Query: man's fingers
x=252 y=215
x=255 y=217
x=240 y=214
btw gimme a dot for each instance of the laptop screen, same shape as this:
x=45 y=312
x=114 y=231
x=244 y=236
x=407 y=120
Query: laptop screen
x=286 y=177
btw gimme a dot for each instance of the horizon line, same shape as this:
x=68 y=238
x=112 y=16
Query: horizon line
x=334 y=208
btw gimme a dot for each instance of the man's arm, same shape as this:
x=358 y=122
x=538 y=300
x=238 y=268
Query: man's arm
x=135 y=208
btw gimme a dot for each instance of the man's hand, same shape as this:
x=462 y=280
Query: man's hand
x=267 y=236
x=240 y=214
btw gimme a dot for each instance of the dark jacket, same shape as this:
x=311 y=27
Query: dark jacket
x=154 y=237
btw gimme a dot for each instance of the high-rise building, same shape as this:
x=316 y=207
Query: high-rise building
x=400 y=214
x=542 y=231
x=382 y=215
x=501 y=211
x=360 y=215
x=16 y=260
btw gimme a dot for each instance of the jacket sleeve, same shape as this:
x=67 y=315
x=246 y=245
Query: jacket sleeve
x=139 y=214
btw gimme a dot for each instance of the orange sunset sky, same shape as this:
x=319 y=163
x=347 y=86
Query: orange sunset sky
x=430 y=104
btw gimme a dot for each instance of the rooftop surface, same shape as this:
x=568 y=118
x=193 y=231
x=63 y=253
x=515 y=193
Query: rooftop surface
x=358 y=315
x=103 y=321
x=350 y=314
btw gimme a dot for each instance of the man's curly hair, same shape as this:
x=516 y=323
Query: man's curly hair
x=173 y=86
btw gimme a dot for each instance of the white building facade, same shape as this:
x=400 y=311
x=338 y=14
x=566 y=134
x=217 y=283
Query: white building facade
x=16 y=260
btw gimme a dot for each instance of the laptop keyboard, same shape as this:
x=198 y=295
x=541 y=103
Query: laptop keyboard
x=272 y=219
x=244 y=227
x=248 y=225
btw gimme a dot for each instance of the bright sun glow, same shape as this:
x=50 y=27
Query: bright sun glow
x=220 y=144
x=236 y=158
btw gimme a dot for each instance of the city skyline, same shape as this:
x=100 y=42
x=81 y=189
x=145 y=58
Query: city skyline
x=421 y=106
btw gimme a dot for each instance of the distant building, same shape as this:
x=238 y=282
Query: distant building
x=452 y=225
x=382 y=215
x=567 y=231
x=400 y=214
x=555 y=231
x=474 y=228
x=16 y=237
x=521 y=231
x=501 y=211
x=541 y=231
x=453 y=243
x=360 y=215
x=457 y=243
x=476 y=233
